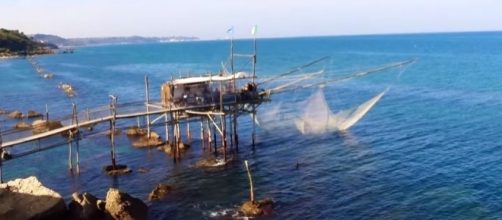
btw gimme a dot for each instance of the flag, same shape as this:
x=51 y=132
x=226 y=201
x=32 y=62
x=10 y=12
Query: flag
x=253 y=31
x=230 y=30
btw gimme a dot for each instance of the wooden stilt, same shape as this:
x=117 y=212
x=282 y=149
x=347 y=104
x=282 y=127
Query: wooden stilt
x=166 y=128
x=147 y=97
x=76 y=135
x=236 y=136
x=224 y=136
x=209 y=136
x=251 y=188
x=254 y=127
x=70 y=162
x=113 y=110
x=231 y=122
x=78 y=153
x=1 y=150
x=189 y=134
x=175 y=139
x=46 y=112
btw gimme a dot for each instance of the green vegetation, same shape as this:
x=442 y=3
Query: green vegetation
x=15 y=43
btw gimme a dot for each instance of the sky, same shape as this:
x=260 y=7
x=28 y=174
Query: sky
x=209 y=19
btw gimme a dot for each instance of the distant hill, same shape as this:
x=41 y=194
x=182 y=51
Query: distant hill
x=15 y=43
x=77 y=42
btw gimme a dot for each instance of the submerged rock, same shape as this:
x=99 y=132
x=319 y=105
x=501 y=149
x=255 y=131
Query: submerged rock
x=257 y=208
x=121 y=205
x=2 y=111
x=116 y=133
x=143 y=170
x=22 y=125
x=33 y=114
x=159 y=192
x=118 y=170
x=15 y=115
x=29 y=199
x=211 y=162
x=144 y=141
x=135 y=131
x=41 y=126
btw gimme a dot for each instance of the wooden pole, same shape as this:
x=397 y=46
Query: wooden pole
x=236 y=136
x=173 y=147
x=254 y=127
x=1 y=151
x=46 y=112
x=113 y=109
x=167 y=129
x=75 y=115
x=147 y=97
x=209 y=136
x=189 y=134
x=251 y=188
x=223 y=120
x=70 y=162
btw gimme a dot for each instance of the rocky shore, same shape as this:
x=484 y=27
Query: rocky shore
x=28 y=199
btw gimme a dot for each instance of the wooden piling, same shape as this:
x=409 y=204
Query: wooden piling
x=77 y=136
x=147 y=97
x=189 y=134
x=1 y=150
x=46 y=112
x=113 y=110
x=223 y=120
x=251 y=188
x=254 y=127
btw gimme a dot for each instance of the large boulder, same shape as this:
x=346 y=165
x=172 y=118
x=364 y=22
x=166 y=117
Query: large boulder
x=85 y=207
x=257 y=208
x=117 y=170
x=29 y=199
x=41 y=126
x=122 y=206
x=15 y=115
x=144 y=141
x=33 y=114
x=135 y=131
x=22 y=125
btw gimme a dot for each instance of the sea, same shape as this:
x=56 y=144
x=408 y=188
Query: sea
x=431 y=148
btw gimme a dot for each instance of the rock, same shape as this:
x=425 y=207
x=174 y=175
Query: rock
x=33 y=114
x=211 y=162
x=144 y=141
x=15 y=115
x=22 y=125
x=85 y=207
x=41 y=126
x=257 y=208
x=135 y=131
x=116 y=133
x=2 y=111
x=167 y=148
x=159 y=192
x=143 y=170
x=29 y=199
x=118 y=170
x=120 y=205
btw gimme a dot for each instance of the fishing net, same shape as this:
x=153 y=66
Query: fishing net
x=317 y=118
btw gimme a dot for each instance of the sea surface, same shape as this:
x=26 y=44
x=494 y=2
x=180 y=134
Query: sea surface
x=430 y=149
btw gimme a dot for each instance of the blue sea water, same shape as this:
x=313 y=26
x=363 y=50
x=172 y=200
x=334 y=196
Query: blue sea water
x=430 y=149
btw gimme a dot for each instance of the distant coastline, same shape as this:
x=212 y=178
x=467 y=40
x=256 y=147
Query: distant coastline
x=100 y=41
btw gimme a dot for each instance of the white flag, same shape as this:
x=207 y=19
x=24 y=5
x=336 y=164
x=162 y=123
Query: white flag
x=253 y=31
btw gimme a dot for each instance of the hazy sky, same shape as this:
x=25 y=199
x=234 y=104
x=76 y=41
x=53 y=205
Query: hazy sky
x=209 y=19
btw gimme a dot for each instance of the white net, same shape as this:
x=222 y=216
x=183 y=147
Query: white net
x=318 y=118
